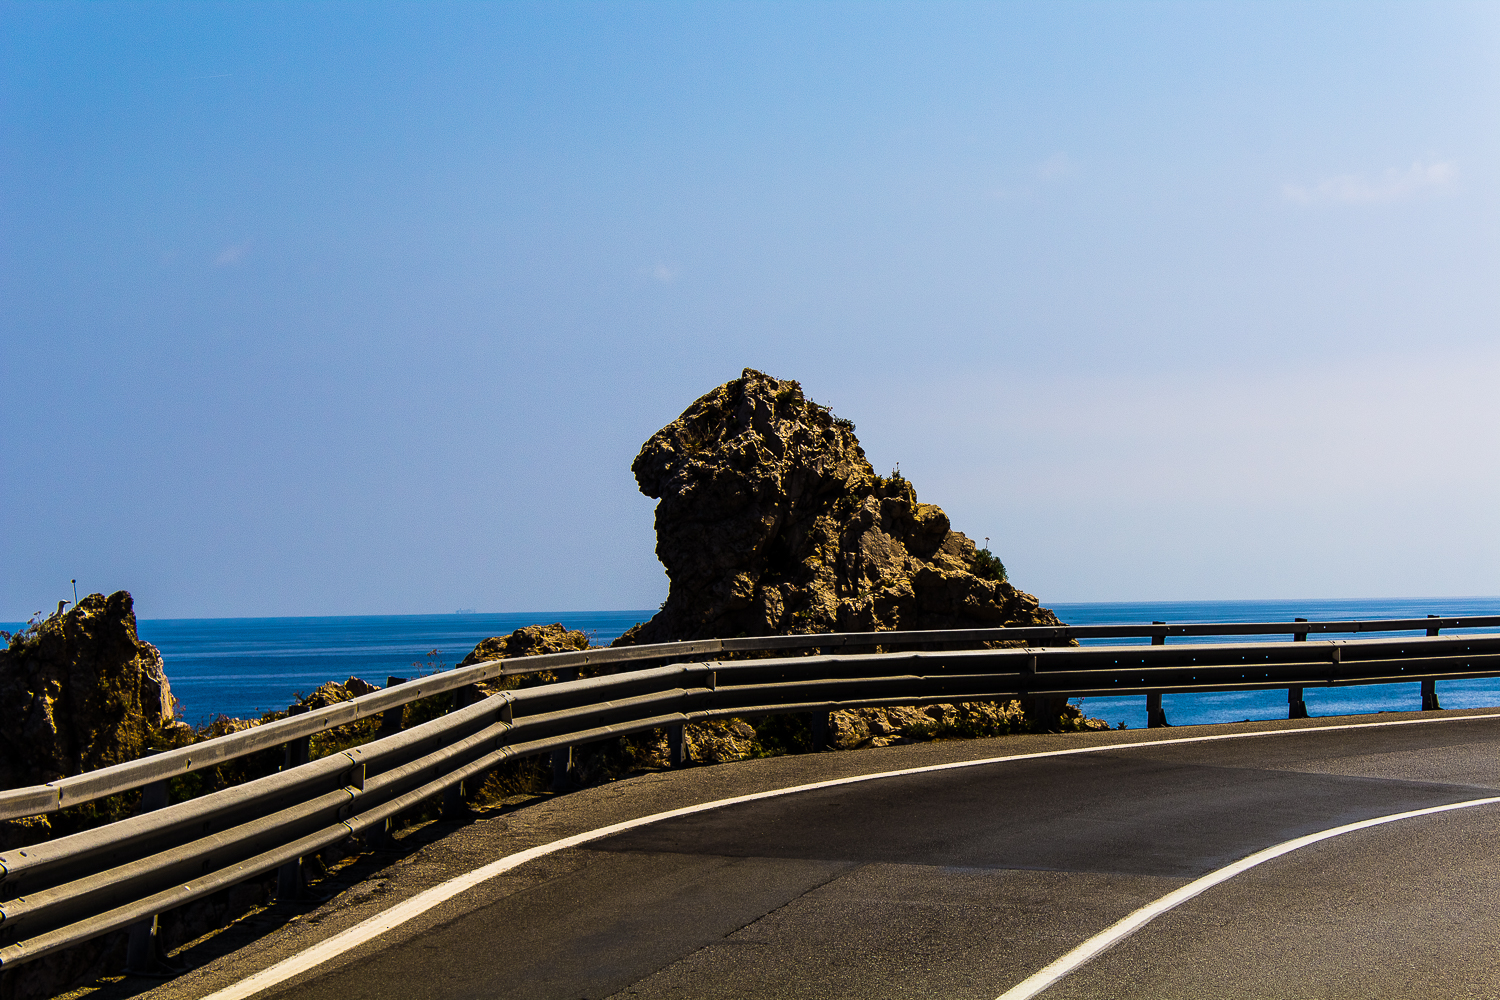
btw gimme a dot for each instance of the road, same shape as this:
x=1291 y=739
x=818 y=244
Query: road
x=963 y=882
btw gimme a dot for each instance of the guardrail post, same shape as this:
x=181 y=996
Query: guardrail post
x=142 y=953
x=294 y=754
x=392 y=719
x=1429 y=688
x=453 y=796
x=676 y=746
x=1296 y=708
x=1156 y=718
x=818 y=729
x=562 y=757
x=562 y=763
x=153 y=797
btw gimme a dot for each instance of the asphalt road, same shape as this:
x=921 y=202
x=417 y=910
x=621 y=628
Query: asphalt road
x=962 y=883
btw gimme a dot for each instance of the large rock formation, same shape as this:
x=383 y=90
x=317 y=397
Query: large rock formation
x=772 y=521
x=79 y=692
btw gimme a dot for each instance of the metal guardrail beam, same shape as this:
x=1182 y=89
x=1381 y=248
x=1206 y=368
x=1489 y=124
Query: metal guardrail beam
x=73 y=888
x=118 y=778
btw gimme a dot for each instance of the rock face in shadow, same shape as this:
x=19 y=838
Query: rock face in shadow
x=79 y=693
x=772 y=521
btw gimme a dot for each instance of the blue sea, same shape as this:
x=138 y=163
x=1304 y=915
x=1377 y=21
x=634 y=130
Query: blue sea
x=242 y=667
x=1243 y=706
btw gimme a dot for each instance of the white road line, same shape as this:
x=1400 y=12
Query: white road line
x=422 y=902
x=1118 y=932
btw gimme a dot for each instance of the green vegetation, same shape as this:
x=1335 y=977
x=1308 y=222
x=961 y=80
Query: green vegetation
x=987 y=565
x=26 y=634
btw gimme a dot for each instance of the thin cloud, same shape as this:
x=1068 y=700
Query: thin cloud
x=1393 y=185
x=232 y=254
x=664 y=273
x=1054 y=166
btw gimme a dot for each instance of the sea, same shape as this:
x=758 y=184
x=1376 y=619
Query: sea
x=244 y=667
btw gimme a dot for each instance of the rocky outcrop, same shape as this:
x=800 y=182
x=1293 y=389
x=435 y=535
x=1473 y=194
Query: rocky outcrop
x=79 y=692
x=877 y=727
x=772 y=521
x=533 y=640
x=716 y=741
x=332 y=692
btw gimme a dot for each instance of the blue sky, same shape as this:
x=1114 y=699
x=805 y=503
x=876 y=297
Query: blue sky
x=362 y=308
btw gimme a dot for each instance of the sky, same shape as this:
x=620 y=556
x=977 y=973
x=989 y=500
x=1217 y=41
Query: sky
x=322 y=308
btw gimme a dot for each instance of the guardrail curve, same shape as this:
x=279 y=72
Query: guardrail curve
x=123 y=874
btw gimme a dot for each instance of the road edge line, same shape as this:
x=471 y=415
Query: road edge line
x=380 y=923
x=1126 y=926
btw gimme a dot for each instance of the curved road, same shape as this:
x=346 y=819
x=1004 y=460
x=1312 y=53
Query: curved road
x=963 y=882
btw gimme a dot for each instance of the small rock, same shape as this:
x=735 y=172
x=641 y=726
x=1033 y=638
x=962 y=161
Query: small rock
x=533 y=640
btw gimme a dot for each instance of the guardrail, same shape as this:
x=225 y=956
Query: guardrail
x=122 y=875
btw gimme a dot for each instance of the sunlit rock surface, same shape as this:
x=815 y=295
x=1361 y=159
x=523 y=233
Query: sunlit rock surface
x=772 y=521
